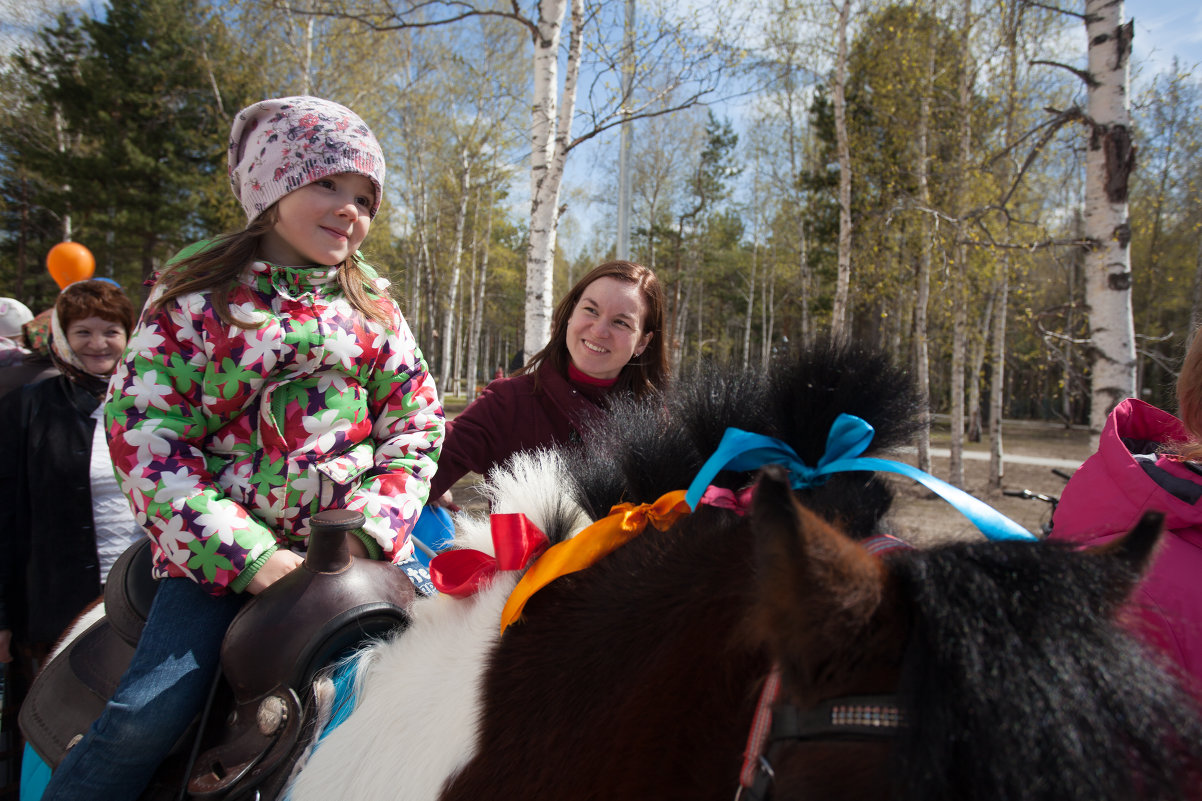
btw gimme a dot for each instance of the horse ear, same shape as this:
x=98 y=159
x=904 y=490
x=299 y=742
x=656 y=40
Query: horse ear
x=818 y=590
x=1133 y=554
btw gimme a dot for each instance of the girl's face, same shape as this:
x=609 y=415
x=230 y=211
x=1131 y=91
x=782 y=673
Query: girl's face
x=323 y=222
x=98 y=343
x=606 y=328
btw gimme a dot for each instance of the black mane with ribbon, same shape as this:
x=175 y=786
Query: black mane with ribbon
x=635 y=455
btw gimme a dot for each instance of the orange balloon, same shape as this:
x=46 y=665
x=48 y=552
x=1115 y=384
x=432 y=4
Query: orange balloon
x=69 y=262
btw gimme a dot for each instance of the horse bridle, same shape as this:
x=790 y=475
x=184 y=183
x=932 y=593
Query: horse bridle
x=776 y=724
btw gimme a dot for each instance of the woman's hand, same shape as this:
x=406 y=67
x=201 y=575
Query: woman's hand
x=278 y=565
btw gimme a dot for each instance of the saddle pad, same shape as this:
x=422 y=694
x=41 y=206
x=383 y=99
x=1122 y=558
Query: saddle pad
x=71 y=690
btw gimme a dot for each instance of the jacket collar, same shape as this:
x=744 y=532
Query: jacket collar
x=291 y=283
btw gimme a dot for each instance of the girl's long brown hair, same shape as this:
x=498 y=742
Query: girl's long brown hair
x=642 y=375
x=217 y=268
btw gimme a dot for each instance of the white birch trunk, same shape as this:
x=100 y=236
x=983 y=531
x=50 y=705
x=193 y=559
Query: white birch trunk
x=768 y=296
x=1108 y=163
x=446 y=380
x=922 y=367
x=976 y=361
x=750 y=310
x=550 y=132
x=997 y=389
x=421 y=224
x=843 y=277
x=478 y=303
x=472 y=346
x=955 y=467
x=806 y=274
x=61 y=138
x=680 y=319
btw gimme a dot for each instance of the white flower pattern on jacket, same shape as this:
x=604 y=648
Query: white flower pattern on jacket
x=227 y=440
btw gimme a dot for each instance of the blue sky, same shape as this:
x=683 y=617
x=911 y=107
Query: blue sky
x=1164 y=29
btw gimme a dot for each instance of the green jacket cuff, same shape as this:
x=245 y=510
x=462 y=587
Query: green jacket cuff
x=248 y=572
x=374 y=551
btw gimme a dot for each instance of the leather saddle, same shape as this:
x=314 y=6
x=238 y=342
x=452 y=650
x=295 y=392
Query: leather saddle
x=260 y=716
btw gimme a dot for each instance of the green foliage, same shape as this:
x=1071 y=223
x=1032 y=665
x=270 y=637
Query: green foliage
x=114 y=125
x=121 y=134
x=1166 y=228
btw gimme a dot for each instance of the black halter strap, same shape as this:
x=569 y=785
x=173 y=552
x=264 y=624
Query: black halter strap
x=847 y=717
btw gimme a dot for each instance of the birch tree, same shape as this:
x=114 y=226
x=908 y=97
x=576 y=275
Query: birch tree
x=959 y=287
x=680 y=44
x=843 y=278
x=922 y=366
x=789 y=144
x=1109 y=159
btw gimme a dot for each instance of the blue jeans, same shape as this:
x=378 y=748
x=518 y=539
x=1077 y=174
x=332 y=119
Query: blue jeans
x=163 y=690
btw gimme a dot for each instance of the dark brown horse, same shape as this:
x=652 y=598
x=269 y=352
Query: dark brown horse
x=983 y=670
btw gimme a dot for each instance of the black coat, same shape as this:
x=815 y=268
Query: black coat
x=49 y=567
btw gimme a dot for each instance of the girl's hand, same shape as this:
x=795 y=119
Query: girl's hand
x=278 y=565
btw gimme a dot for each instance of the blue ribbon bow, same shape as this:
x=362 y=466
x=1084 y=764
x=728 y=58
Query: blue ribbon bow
x=848 y=438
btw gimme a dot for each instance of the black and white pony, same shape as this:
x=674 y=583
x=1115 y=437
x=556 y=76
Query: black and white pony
x=983 y=670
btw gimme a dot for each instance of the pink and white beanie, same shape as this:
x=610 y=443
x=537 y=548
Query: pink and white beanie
x=279 y=145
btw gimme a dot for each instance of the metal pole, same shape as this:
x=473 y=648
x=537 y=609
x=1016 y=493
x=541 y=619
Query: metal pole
x=624 y=141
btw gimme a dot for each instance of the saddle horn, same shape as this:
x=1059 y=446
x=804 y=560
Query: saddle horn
x=283 y=636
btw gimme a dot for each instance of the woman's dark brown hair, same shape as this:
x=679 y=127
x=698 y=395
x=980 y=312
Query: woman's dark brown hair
x=94 y=298
x=217 y=267
x=643 y=374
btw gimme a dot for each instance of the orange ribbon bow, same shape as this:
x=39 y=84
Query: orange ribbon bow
x=625 y=522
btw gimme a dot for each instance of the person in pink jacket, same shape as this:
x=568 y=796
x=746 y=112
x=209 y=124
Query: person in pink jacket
x=1147 y=459
x=270 y=377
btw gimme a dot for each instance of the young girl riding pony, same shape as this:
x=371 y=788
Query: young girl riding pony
x=270 y=377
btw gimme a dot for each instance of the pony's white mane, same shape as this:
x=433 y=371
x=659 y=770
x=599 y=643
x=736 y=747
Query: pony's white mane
x=530 y=483
x=81 y=624
x=418 y=694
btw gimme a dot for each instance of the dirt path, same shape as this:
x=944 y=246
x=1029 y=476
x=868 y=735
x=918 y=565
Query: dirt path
x=1032 y=452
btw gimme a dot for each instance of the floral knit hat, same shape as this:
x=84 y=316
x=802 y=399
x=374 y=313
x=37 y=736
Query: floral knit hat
x=282 y=144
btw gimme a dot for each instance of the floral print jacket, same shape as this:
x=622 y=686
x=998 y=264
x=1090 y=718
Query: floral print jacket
x=228 y=439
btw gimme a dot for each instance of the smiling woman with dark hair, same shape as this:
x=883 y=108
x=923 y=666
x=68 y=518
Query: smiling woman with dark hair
x=606 y=340
x=63 y=518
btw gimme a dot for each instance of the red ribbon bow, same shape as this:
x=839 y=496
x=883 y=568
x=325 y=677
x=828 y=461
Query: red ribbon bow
x=462 y=572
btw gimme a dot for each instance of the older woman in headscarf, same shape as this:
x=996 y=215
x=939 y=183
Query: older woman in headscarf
x=63 y=518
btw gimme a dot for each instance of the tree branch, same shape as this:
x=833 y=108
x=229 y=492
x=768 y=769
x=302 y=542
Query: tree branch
x=1057 y=9
x=1029 y=246
x=1082 y=74
x=396 y=20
